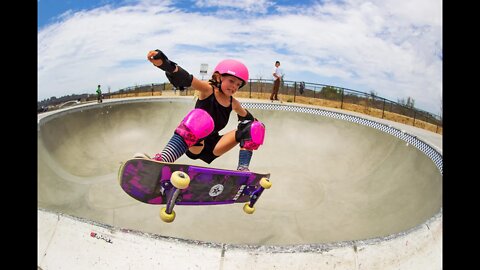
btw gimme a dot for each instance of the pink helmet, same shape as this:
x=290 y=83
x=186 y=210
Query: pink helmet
x=234 y=68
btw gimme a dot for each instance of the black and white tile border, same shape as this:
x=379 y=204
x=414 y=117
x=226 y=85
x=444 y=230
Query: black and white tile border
x=413 y=140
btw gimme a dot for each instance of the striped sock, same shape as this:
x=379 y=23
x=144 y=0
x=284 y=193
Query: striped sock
x=244 y=158
x=175 y=148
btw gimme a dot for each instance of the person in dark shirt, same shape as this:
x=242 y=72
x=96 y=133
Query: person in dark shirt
x=198 y=133
x=301 y=88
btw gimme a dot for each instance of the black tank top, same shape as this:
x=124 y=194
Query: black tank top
x=219 y=113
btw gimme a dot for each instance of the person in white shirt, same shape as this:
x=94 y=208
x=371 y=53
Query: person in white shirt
x=276 y=81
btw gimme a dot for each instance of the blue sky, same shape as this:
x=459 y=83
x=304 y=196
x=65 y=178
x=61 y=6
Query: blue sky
x=391 y=47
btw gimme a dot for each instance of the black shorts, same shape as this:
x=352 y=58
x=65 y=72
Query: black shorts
x=209 y=144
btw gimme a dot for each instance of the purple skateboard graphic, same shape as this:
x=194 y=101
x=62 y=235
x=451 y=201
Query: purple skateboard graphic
x=155 y=182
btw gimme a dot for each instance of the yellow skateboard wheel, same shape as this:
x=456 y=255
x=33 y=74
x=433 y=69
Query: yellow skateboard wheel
x=180 y=180
x=265 y=183
x=165 y=216
x=247 y=209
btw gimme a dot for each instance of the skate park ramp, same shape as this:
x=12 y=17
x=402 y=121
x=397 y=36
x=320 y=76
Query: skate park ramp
x=335 y=178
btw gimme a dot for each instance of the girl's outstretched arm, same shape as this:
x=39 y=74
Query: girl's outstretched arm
x=202 y=86
x=176 y=74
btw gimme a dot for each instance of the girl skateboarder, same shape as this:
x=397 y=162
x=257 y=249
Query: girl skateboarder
x=197 y=135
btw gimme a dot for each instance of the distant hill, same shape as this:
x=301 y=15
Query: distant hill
x=54 y=101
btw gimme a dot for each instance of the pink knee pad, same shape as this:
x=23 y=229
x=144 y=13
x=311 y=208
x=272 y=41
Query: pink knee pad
x=257 y=135
x=196 y=125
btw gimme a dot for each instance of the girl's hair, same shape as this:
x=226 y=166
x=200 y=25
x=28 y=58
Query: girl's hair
x=215 y=80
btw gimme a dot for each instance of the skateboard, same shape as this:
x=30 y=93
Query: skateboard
x=154 y=182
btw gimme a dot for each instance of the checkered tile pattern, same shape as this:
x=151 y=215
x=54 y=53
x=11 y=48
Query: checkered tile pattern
x=413 y=140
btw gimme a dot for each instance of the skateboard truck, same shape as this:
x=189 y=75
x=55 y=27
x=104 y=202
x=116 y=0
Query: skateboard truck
x=179 y=180
x=255 y=194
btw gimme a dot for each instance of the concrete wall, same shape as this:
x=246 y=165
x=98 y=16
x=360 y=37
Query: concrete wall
x=66 y=242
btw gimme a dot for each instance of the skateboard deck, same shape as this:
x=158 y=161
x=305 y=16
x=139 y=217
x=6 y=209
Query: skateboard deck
x=150 y=181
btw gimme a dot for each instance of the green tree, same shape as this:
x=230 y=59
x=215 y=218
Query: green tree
x=330 y=92
x=410 y=102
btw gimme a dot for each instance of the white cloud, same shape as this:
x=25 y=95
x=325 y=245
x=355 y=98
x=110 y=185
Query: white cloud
x=257 y=6
x=390 y=47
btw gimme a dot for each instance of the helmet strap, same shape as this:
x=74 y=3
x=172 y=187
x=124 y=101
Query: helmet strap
x=219 y=85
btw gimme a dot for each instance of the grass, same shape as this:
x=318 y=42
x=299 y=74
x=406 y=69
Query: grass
x=359 y=108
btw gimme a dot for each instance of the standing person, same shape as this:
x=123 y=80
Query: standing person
x=276 y=81
x=302 y=88
x=198 y=133
x=99 y=94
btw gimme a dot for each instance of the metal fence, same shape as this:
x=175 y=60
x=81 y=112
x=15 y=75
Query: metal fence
x=151 y=90
x=347 y=99
x=308 y=93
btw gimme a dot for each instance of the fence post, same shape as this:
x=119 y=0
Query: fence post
x=250 y=88
x=294 y=90
x=414 y=116
x=383 y=108
x=341 y=103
